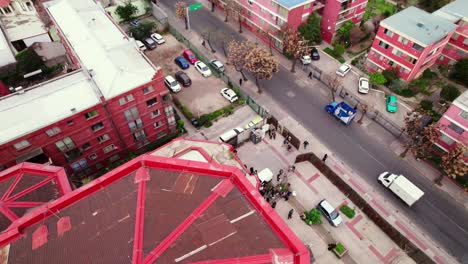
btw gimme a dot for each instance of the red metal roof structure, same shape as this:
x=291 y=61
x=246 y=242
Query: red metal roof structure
x=157 y=209
x=4 y=3
x=27 y=186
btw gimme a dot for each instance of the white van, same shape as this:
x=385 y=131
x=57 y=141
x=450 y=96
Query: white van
x=230 y=134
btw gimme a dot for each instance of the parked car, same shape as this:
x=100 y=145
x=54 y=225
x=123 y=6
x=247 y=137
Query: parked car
x=229 y=94
x=231 y=134
x=364 y=86
x=149 y=43
x=217 y=65
x=306 y=59
x=203 y=69
x=183 y=78
x=392 y=105
x=315 y=54
x=343 y=70
x=254 y=122
x=330 y=213
x=172 y=84
x=183 y=63
x=140 y=45
x=188 y=55
x=135 y=22
x=158 y=38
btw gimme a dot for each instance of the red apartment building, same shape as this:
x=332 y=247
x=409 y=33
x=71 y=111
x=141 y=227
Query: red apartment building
x=274 y=15
x=410 y=41
x=457 y=48
x=337 y=12
x=85 y=119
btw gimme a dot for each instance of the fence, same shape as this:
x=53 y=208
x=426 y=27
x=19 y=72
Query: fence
x=160 y=15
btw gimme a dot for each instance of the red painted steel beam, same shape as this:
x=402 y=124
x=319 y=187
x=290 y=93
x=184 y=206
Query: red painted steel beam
x=17 y=204
x=30 y=189
x=179 y=230
x=141 y=176
x=11 y=187
x=258 y=259
x=8 y=213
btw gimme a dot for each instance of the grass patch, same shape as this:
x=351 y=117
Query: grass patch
x=333 y=53
x=348 y=211
x=340 y=248
x=378 y=7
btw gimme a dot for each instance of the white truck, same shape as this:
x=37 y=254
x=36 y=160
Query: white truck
x=402 y=187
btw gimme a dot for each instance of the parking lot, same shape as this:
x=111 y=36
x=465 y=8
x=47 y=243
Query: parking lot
x=203 y=96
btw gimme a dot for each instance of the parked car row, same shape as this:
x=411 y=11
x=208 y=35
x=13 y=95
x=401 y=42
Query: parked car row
x=150 y=42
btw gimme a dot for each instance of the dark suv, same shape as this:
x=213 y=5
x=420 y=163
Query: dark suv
x=149 y=43
x=183 y=78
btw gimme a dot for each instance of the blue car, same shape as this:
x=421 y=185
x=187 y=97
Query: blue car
x=182 y=63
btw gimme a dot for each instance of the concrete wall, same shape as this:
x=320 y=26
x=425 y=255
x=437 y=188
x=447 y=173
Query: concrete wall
x=39 y=38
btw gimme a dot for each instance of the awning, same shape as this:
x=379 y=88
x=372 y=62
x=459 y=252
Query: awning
x=4 y=3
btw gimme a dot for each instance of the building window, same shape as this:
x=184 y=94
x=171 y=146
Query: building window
x=148 y=89
x=402 y=40
x=171 y=120
x=92 y=156
x=391 y=63
x=464 y=114
x=140 y=135
x=30 y=6
x=388 y=32
x=79 y=165
x=65 y=144
x=263 y=10
x=22 y=144
x=122 y=101
x=109 y=148
x=158 y=124
x=383 y=44
x=283 y=12
x=169 y=110
x=103 y=138
x=91 y=114
x=155 y=113
x=152 y=102
x=131 y=113
x=6 y=10
x=465 y=42
x=136 y=124
x=417 y=47
x=86 y=146
x=97 y=126
x=397 y=52
x=455 y=36
x=456 y=129
x=447 y=140
x=126 y=99
x=53 y=131
x=70 y=122
x=410 y=59
x=114 y=158
x=23 y=6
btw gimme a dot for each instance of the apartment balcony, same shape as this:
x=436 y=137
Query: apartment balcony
x=35 y=156
x=318 y=5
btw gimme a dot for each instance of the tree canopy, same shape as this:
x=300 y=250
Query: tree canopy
x=127 y=11
x=460 y=71
x=311 y=30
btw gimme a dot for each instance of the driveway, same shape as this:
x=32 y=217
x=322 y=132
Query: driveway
x=203 y=96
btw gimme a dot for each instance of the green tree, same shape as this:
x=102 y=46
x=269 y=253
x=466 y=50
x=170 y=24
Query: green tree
x=310 y=31
x=143 y=30
x=127 y=11
x=28 y=61
x=460 y=71
x=432 y=5
x=377 y=78
x=391 y=75
x=344 y=32
x=338 y=49
x=449 y=93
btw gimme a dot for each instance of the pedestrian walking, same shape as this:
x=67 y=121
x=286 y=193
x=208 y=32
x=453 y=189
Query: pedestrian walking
x=325 y=157
x=274 y=134
x=251 y=170
x=306 y=143
x=290 y=214
x=256 y=173
x=285 y=141
x=273 y=205
x=278 y=177
x=289 y=147
x=240 y=81
x=310 y=75
x=293 y=168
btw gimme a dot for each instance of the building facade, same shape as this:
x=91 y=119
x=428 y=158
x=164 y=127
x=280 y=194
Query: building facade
x=457 y=48
x=337 y=12
x=410 y=41
x=454 y=124
x=116 y=100
x=21 y=24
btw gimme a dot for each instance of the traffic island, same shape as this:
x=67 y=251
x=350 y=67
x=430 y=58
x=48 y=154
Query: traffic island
x=339 y=250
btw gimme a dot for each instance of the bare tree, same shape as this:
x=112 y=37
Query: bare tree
x=181 y=12
x=237 y=54
x=207 y=36
x=363 y=108
x=295 y=45
x=333 y=83
x=262 y=65
x=230 y=7
x=268 y=33
x=213 y=4
x=453 y=162
x=238 y=12
x=419 y=138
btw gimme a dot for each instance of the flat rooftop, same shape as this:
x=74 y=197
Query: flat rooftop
x=156 y=209
x=293 y=3
x=115 y=63
x=39 y=106
x=21 y=26
x=454 y=11
x=462 y=101
x=419 y=25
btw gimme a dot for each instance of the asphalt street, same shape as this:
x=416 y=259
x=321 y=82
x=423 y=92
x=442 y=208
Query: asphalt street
x=442 y=218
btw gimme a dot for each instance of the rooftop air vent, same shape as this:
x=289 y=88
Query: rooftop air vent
x=420 y=25
x=73 y=110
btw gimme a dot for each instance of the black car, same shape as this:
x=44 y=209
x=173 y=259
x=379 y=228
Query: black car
x=315 y=54
x=149 y=43
x=183 y=79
